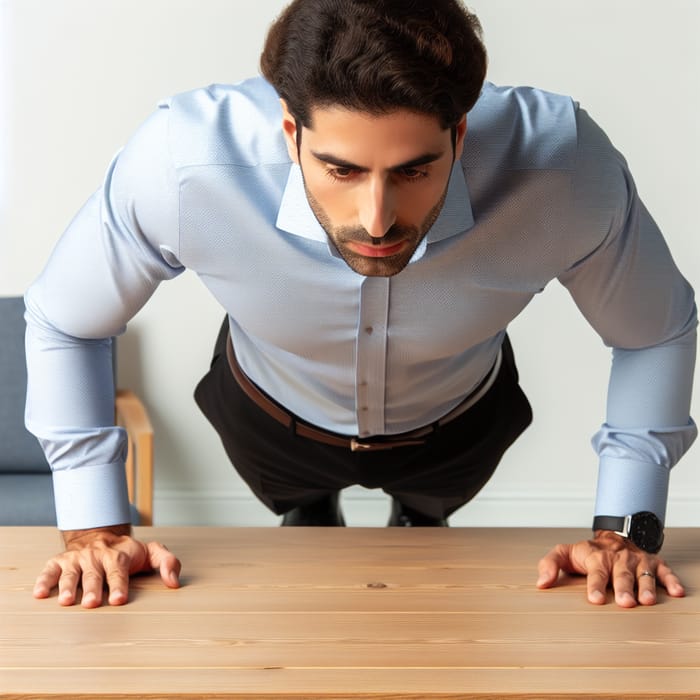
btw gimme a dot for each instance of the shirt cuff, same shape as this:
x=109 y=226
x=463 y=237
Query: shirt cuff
x=91 y=496
x=627 y=486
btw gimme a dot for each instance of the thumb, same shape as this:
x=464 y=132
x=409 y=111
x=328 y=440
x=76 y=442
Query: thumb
x=169 y=566
x=558 y=559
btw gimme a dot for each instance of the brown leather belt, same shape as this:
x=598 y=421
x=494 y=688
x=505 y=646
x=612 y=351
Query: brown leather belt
x=380 y=442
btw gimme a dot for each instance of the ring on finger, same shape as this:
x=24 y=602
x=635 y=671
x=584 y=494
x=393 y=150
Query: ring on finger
x=646 y=573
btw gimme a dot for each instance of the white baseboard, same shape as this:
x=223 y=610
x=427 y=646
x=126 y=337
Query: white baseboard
x=365 y=508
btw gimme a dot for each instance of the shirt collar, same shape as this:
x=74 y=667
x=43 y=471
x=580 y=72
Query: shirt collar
x=296 y=216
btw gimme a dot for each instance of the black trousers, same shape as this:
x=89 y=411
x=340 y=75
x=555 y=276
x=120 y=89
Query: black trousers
x=284 y=470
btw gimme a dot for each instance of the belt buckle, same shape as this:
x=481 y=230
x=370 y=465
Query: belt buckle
x=357 y=446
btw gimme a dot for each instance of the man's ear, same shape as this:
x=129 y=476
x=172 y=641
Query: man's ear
x=461 y=133
x=289 y=129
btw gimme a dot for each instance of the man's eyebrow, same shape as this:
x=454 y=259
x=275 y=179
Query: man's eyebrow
x=342 y=163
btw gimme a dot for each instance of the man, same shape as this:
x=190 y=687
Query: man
x=371 y=216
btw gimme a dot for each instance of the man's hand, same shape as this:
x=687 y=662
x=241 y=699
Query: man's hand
x=103 y=556
x=609 y=558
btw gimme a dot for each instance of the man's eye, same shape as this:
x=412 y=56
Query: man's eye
x=413 y=173
x=340 y=173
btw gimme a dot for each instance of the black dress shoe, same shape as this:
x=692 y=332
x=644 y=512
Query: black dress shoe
x=325 y=512
x=403 y=516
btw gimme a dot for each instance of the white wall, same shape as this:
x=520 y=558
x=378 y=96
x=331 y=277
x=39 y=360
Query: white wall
x=77 y=76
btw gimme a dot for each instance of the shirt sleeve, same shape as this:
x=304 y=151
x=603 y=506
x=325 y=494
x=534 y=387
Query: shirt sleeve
x=632 y=293
x=108 y=262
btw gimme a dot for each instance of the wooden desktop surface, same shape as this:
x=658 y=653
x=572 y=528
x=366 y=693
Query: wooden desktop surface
x=348 y=612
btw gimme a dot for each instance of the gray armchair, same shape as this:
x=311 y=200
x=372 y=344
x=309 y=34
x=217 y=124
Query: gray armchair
x=26 y=490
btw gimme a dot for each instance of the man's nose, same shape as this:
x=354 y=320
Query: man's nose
x=377 y=209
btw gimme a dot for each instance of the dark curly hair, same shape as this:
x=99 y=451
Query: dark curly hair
x=376 y=56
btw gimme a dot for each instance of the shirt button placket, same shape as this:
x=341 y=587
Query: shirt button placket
x=371 y=356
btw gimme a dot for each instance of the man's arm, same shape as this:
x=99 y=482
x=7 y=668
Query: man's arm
x=104 y=268
x=630 y=290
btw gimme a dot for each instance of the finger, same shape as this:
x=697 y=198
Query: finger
x=116 y=564
x=558 y=559
x=668 y=579
x=624 y=579
x=47 y=580
x=597 y=578
x=68 y=584
x=166 y=562
x=646 y=586
x=92 y=582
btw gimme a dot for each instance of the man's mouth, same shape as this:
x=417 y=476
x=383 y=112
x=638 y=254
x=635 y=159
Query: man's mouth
x=376 y=251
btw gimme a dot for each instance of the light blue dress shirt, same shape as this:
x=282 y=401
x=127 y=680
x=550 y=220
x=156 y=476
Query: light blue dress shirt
x=206 y=184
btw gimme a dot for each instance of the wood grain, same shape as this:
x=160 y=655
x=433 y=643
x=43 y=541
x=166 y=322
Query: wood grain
x=347 y=612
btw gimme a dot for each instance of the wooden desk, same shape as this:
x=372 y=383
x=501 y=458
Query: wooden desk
x=348 y=612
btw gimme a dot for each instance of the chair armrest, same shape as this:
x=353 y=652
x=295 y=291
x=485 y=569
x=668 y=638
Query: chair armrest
x=130 y=414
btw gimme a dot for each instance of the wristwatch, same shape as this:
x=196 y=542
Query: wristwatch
x=643 y=529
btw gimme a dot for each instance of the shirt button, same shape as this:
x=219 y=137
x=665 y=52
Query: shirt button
x=369 y=330
x=364 y=408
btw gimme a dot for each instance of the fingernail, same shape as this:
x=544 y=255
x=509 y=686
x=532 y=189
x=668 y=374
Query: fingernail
x=89 y=599
x=648 y=597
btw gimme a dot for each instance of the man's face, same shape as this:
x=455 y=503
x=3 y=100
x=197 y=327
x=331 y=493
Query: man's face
x=375 y=183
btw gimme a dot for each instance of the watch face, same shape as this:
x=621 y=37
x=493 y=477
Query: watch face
x=646 y=532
